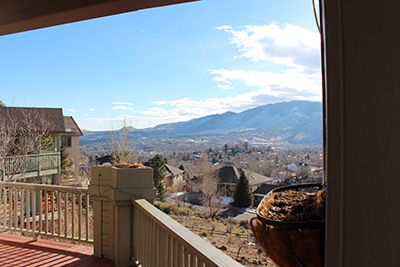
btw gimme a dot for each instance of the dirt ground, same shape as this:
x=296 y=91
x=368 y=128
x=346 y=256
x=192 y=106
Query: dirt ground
x=232 y=237
x=235 y=240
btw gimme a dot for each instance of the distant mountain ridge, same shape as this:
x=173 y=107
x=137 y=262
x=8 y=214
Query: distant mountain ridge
x=267 y=117
x=286 y=123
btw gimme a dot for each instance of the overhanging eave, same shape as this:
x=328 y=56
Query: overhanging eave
x=23 y=15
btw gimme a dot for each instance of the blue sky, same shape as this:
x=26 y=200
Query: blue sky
x=166 y=64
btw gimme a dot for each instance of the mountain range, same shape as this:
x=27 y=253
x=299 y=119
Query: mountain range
x=285 y=124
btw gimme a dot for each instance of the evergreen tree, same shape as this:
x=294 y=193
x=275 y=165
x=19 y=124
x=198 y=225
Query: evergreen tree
x=161 y=196
x=64 y=161
x=158 y=165
x=243 y=197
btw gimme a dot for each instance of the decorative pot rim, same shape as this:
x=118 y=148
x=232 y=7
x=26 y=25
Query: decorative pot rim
x=316 y=224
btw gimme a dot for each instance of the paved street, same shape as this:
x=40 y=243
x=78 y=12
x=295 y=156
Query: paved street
x=193 y=201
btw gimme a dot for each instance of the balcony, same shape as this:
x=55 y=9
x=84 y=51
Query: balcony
x=28 y=166
x=112 y=217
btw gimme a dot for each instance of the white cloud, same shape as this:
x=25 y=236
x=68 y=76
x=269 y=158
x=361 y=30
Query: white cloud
x=291 y=46
x=123 y=108
x=156 y=112
x=277 y=83
x=220 y=79
x=73 y=110
x=137 y=121
x=225 y=86
x=159 y=102
x=295 y=74
x=122 y=103
x=92 y=109
x=224 y=27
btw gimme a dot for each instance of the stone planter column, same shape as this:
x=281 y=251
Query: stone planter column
x=111 y=190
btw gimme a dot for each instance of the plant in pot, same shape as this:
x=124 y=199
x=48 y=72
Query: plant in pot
x=290 y=225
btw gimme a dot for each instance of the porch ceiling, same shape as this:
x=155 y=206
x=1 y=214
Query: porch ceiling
x=23 y=15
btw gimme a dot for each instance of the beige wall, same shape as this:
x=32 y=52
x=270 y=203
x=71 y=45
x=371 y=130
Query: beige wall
x=73 y=154
x=363 y=125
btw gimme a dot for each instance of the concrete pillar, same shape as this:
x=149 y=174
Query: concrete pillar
x=112 y=190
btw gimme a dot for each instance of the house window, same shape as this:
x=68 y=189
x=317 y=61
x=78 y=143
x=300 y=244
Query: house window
x=66 y=141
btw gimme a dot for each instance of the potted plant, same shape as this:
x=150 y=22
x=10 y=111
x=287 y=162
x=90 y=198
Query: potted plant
x=290 y=225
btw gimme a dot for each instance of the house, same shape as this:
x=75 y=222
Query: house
x=31 y=141
x=105 y=159
x=174 y=176
x=195 y=184
x=228 y=176
x=261 y=191
x=361 y=93
x=70 y=139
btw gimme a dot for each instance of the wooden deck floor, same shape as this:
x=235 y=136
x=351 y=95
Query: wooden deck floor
x=22 y=251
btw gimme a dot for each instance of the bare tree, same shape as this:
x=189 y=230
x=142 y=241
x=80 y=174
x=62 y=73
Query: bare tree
x=178 y=187
x=120 y=147
x=211 y=196
x=23 y=131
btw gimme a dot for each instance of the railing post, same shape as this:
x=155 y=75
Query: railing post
x=112 y=189
x=39 y=165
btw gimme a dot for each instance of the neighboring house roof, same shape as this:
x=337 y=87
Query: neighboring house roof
x=103 y=159
x=173 y=171
x=264 y=189
x=71 y=127
x=231 y=175
x=39 y=119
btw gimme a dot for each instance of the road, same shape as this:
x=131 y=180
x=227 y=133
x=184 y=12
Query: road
x=193 y=201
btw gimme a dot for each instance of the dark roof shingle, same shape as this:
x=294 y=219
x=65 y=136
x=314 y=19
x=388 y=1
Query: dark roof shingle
x=37 y=119
x=71 y=127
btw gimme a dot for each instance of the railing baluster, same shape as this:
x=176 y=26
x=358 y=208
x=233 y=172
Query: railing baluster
x=135 y=233
x=46 y=212
x=34 y=203
x=28 y=210
x=143 y=239
x=87 y=217
x=15 y=206
x=80 y=215
x=142 y=236
x=59 y=214
x=138 y=234
x=66 y=215
x=156 y=243
x=152 y=238
x=186 y=257
x=22 y=208
x=175 y=248
x=52 y=212
x=4 y=207
x=169 y=250
x=10 y=213
x=147 y=241
x=180 y=255
x=193 y=260
x=163 y=247
x=40 y=210
x=73 y=215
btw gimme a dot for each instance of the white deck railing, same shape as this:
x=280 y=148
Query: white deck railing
x=31 y=165
x=158 y=240
x=57 y=211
